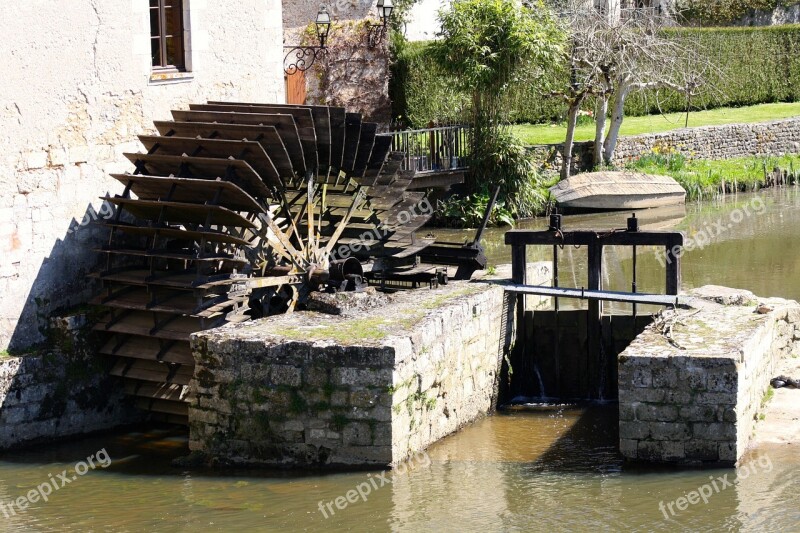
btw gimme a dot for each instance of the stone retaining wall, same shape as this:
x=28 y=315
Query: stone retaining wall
x=691 y=386
x=717 y=142
x=59 y=393
x=368 y=387
x=707 y=142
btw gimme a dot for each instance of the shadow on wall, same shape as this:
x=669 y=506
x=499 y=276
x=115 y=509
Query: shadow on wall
x=60 y=387
x=62 y=281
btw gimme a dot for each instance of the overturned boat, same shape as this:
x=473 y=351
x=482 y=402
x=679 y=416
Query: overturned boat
x=617 y=190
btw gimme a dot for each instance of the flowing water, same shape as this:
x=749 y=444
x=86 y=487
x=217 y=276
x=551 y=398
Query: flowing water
x=553 y=469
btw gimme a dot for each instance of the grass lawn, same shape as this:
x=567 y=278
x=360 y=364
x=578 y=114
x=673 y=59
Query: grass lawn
x=549 y=134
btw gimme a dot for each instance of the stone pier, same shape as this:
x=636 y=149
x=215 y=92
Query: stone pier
x=694 y=383
x=368 y=387
x=60 y=391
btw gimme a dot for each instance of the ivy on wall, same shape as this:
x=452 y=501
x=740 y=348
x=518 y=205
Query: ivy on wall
x=351 y=74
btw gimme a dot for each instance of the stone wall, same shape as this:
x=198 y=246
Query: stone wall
x=73 y=102
x=717 y=142
x=59 y=392
x=707 y=142
x=365 y=388
x=778 y=16
x=692 y=385
x=352 y=74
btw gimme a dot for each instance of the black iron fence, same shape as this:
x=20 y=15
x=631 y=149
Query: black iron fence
x=438 y=149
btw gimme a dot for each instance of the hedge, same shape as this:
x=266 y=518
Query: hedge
x=754 y=65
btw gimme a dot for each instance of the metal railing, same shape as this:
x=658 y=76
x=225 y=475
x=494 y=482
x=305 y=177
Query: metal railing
x=440 y=149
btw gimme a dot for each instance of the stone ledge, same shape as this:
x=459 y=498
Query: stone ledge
x=724 y=350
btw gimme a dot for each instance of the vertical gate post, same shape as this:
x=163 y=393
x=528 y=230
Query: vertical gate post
x=519 y=357
x=594 y=318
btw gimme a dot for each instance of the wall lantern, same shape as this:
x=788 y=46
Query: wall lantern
x=305 y=56
x=377 y=32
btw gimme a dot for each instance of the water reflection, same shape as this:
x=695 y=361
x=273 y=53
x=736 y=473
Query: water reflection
x=556 y=470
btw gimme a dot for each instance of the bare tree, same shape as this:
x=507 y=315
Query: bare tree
x=583 y=23
x=618 y=51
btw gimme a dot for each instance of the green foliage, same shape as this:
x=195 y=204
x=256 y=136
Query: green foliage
x=338 y=422
x=467 y=211
x=502 y=161
x=421 y=90
x=702 y=178
x=489 y=44
x=298 y=404
x=754 y=65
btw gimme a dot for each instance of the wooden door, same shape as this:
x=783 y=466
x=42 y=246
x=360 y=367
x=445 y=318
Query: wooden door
x=296 y=88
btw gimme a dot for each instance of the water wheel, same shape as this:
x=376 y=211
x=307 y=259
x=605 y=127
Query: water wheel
x=237 y=210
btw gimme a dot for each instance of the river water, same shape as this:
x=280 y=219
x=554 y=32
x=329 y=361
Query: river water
x=553 y=469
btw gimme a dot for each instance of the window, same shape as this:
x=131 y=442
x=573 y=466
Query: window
x=166 y=35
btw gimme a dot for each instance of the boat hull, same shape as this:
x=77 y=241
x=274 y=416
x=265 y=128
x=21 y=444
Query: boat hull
x=617 y=190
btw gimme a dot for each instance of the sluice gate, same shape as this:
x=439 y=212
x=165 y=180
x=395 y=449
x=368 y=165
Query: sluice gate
x=570 y=354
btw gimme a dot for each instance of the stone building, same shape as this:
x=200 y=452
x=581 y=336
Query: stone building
x=354 y=71
x=80 y=80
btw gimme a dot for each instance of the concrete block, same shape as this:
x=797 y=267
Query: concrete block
x=641 y=377
x=634 y=430
x=315 y=376
x=357 y=433
x=699 y=413
x=661 y=451
x=364 y=399
x=57 y=157
x=692 y=379
x=665 y=378
x=340 y=398
x=715 y=398
x=627 y=411
x=628 y=448
x=361 y=377
x=728 y=452
x=631 y=395
x=702 y=450
x=722 y=382
x=293 y=425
